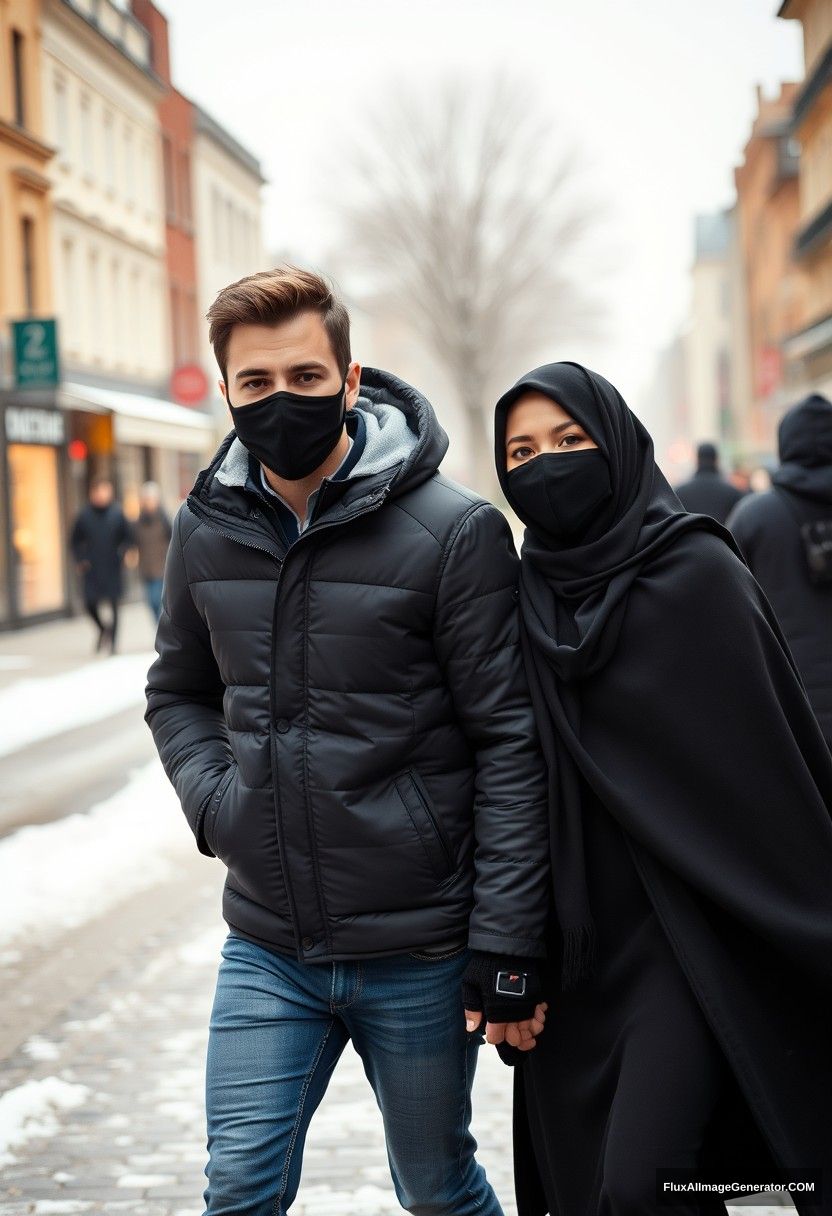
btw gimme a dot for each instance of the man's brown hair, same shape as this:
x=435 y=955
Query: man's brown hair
x=272 y=296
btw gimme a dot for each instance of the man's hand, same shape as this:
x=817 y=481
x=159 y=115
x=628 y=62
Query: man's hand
x=507 y=992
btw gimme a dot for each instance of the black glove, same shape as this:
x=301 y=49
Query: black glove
x=505 y=989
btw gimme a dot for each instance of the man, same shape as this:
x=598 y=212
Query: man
x=708 y=492
x=786 y=537
x=153 y=533
x=338 y=701
x=100 y=538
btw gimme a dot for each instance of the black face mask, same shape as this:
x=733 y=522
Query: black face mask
x=291 y=433
x=562 y=492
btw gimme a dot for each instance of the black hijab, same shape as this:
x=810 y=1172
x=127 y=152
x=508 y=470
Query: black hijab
x=573 y=600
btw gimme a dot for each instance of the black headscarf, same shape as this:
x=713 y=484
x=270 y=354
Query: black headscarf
x=573 y=599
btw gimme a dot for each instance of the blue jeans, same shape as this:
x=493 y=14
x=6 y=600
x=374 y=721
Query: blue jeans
x=277 y=1030
x=153 y=595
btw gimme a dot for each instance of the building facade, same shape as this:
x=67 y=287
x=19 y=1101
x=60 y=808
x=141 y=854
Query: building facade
x=33 y=465
x=228 y=186
x=808 y=349
x=768 y=208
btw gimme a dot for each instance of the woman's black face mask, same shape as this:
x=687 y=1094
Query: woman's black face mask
x=291 y=433
x=562 y=492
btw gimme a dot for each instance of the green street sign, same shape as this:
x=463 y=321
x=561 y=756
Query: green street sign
x=36 y=353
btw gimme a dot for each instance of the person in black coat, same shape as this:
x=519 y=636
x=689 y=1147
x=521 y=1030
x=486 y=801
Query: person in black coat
x=773 y=530
x=690 y=993
x=708 y=492
x=100 y=537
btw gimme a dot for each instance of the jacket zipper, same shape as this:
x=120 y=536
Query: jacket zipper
x=439 y=832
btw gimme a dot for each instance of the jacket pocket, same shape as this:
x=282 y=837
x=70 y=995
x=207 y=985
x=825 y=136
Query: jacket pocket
x=214 y=806
x=434 y=841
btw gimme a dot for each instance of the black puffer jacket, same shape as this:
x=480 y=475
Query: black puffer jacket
x=346 y=723
x=767 y=529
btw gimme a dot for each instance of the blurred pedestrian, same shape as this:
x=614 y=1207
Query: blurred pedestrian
x=708 y=492
x=101 y=536
x=690 y=800
x=153 y=532
x=786 y=537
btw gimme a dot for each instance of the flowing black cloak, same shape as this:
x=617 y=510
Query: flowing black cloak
x=697 y=736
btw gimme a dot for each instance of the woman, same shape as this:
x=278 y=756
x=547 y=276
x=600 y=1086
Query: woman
x=690 y=1012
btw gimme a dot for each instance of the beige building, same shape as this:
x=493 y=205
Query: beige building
x=808 y=349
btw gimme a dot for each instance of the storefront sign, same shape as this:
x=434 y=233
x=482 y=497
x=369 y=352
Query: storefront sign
x=189 y=384
x=25 y=424
x=36 y=353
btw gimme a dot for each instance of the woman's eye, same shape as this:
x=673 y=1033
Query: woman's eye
x=522 y=453
x=569 y=441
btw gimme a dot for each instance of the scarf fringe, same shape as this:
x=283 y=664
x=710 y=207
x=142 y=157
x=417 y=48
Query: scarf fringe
x=580 y=945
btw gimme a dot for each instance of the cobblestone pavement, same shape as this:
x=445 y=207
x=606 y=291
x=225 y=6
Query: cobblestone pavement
x=130 y=1053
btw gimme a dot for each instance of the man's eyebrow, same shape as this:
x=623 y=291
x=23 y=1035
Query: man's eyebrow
x=556 y=430
x=252 y=371
x=309 y=365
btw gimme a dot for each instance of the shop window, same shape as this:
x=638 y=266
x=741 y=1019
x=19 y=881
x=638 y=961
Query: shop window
x=37 y=540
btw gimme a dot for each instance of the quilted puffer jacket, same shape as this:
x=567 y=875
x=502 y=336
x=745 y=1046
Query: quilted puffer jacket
x=346 y=721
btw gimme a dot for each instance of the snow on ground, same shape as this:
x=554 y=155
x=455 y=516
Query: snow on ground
x=57 y=876
x=29 y=1112
x=36 y=708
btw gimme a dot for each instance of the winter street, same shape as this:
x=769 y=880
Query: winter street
x=108 y=965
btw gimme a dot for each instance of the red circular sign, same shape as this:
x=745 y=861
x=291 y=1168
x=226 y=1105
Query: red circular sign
x=189 y=384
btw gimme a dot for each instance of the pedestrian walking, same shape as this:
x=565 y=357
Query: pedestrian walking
x=690 y=797
x=340 y=703
x=101 y=536
x=786 y=537
x=708 y=492
x=153 y=532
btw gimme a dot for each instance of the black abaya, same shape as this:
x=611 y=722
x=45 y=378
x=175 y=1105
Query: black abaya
x=692 y=843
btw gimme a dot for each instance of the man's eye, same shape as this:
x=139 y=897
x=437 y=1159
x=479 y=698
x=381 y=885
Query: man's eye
x=308 y=377
x=255 y=384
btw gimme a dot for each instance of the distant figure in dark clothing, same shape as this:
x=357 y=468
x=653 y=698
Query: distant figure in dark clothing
x=767 y=528
x=708 y=492
x=100 y=537
x=153 y=533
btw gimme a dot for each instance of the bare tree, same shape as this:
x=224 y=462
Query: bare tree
x=469 y=220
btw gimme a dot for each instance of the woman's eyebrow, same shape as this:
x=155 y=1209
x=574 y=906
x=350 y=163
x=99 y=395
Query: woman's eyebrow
x=556 y=430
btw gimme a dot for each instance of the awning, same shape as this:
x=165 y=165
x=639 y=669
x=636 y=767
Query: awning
x=148 y=421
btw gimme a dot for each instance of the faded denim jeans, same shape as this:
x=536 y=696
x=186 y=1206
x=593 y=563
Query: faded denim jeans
x=277 y=1030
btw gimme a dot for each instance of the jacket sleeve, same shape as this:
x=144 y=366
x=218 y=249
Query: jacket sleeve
x=184 y=693
x=477 y=642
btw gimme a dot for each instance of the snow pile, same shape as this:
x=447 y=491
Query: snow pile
x=57 y=876
x=37 y=708
x=29 y=1112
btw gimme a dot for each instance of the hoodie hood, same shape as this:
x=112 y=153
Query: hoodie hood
x=404 y=445
x=805 y=444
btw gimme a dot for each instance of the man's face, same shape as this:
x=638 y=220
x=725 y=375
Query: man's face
x=294 y=356
x=101 y=494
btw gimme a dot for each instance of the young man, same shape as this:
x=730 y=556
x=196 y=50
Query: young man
x=101 y=536
x=338 y=701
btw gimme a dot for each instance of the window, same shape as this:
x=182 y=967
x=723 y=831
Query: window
x=86 y=135
x=185 y=189
x=109 y=152
x=69 y=295
x=18 y=82
x=61 y=116
x=170 y=196
x=129 y=168
x=94 y=306
x=27 y=235
x=116 y=305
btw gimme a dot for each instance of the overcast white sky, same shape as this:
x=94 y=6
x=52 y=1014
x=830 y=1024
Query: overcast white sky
x=659 y=94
